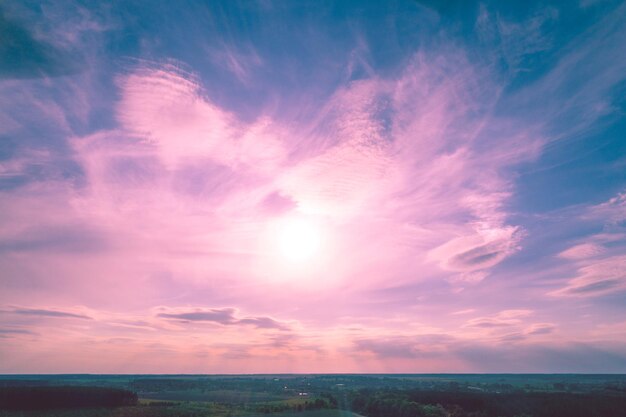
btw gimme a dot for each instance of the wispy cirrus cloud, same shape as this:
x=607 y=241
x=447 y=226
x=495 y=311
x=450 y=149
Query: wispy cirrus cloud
x=240 y=62
x=517 y=41
x=582 y=251
x=504 y=318
x=613 y=211
x=601 y=277
x=540 y=328
x=363 y=149
x=161 y=172
x=598 y=262
x=167 y=108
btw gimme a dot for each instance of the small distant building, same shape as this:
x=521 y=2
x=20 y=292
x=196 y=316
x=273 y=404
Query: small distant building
x=303 y=394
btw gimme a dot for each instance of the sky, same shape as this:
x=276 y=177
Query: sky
x=312 y=186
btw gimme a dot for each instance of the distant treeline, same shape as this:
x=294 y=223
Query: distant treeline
x=57 y=397
x=318 y=404
x=23 y=382
x=153 y=384
x=416 y=403
x=319 y=383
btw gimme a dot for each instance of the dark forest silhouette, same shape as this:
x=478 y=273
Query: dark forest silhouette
x=58 y=397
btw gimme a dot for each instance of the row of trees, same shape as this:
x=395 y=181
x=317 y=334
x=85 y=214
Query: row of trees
x=316 y=404
x=57 y=397
x=417 y=403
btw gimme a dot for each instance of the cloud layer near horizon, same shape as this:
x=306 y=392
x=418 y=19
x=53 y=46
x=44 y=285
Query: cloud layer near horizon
x=142 y=196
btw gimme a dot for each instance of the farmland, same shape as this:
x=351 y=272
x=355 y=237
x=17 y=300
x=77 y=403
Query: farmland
x=332 y=395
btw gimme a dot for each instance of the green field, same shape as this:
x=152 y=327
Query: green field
x=221 y=396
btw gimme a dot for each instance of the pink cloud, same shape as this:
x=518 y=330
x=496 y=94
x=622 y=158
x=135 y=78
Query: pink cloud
x=504 y=318
x=223 y=316
x=405 y=184
x=168 y=109
x=350 y=167
x=598 y=262
x=540 y=329
x=479 y=251
x=582 y=251
x=597 y=278
x=611 y=211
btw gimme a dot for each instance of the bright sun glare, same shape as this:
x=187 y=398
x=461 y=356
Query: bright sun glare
x=299 y=240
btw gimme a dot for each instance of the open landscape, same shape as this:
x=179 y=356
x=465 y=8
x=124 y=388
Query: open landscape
x=333 y=395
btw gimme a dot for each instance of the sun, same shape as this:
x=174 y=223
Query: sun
x=298 y=240
x=297 y=249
